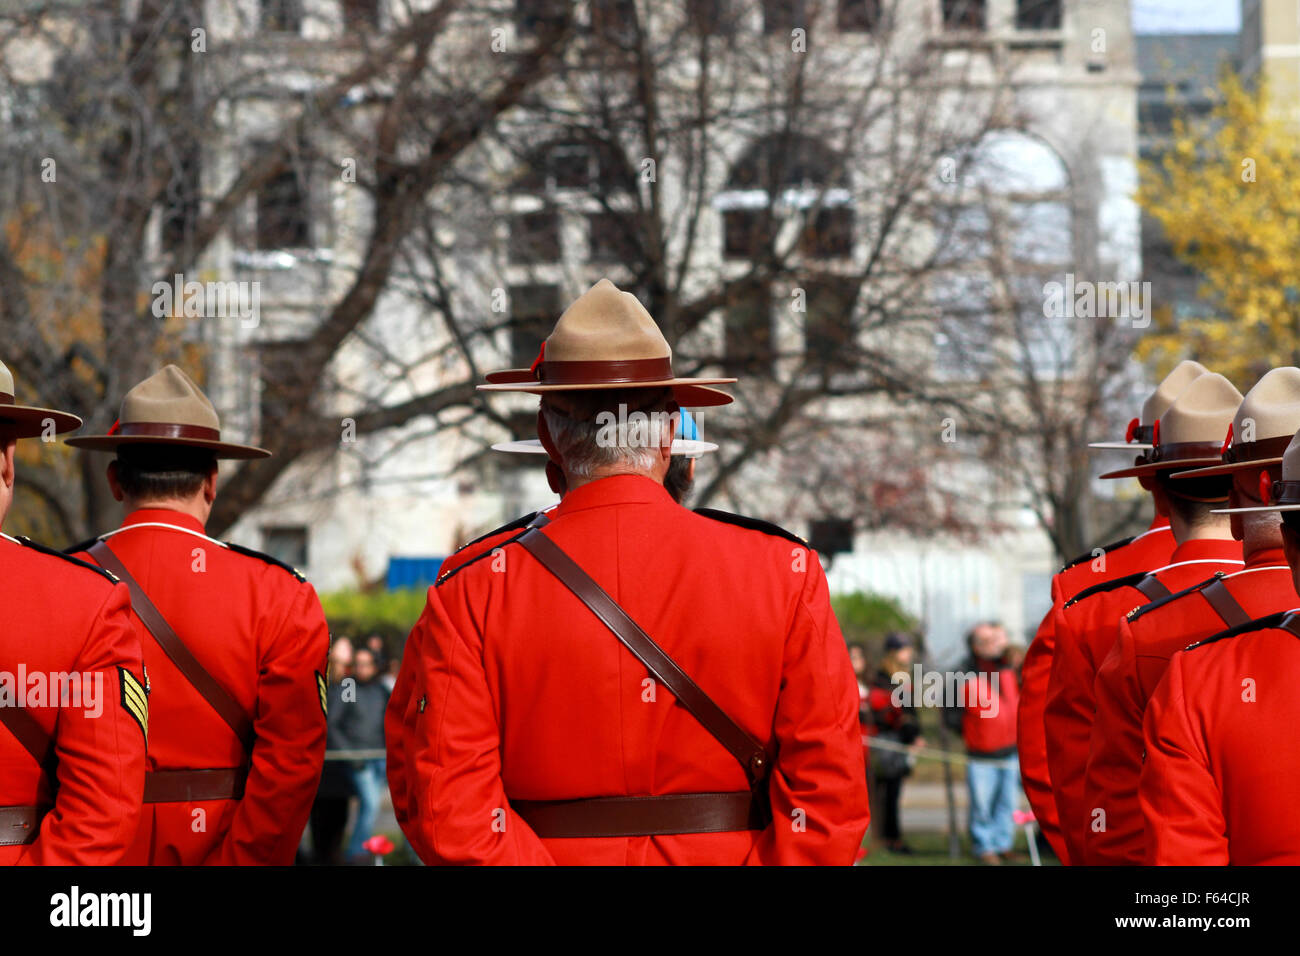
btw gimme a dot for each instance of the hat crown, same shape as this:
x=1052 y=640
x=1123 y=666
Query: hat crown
x=168 y=397
x=1271 y=409
x=604 y=324
x=6 y=380
x=1201 y=412
x=1291 y=460
x=1170 y=387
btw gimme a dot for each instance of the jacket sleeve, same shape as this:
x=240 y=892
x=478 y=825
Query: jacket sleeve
x=100 y=750
x=1115 y=759
x=818 y=778
x=1067 y=724
x=1031 y=739
x=1180 y=800
x=289 y=741
x=457 y=811
x=395 y=726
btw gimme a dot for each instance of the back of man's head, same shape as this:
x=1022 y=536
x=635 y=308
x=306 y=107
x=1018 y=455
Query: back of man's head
x=154 y=473
x=603 y=431
x=1193 y=500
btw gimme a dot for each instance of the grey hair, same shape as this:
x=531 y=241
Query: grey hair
x=581 y=428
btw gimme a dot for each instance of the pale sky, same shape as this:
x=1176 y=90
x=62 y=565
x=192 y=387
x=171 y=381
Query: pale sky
x=1186 y=16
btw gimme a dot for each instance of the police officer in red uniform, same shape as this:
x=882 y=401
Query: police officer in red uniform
x=1221 y=780
x=71 y=768
x=552 y=665
x=235 y=643
x=1151 y=549
x=1149 y=635
x=1190 y=433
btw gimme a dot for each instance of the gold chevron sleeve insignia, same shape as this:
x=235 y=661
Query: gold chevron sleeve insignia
x=134 y=699
x=322 y=685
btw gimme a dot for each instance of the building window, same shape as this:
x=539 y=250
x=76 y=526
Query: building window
x=963 y=14
x=533 y=311
x=538 y=16
x=858 y=16
x=360 y=13
x=1038 y=14
x=287 y=544
x=831 y=535
x=747 y=332
x=581 y=166
x=612 y=239
x=282 y=16
x=614 y=20
x=830 y=234
x=745 y=232
x=283 y=215
x=782 y=16
x=829 y=331
x=535 y=237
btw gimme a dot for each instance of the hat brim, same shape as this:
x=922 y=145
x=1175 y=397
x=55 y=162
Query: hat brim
x=27 y=421
x=1222 y=469
x=219 y=449
x=688 y=392
x=1121 y=445
x=533 y=446
x=1242 y=511
x=1152 y=468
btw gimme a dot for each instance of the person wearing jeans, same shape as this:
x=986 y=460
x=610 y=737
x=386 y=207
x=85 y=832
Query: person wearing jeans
x=361 y=727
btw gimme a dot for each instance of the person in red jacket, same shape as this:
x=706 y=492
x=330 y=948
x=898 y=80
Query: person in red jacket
x=1221 y=779
x=1148 y=636
x=71 y=771
x=541 y=737
x=1190 y=433
x=1151 y=549
x=234 y=640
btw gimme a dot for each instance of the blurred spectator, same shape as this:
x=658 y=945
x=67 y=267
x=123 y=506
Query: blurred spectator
x=376 y=645
x=986 y=719
x=898 y=726
x=329 y=812
x=389 y=678
x=340 y=664
x=361 y=727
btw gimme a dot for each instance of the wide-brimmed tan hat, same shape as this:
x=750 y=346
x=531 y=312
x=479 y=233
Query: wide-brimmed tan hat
x=1263 y=427
x=606 y=339
x=1281 y=495
x=167 y=408
x=1138 y=435
x=28 y=421
x=1191 y=432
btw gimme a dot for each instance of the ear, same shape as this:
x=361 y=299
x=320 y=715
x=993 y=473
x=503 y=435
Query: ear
x=667 y=431
x=544 y=435
x=555 y=478
x=690 y=469
x=8 y=473
x=210 y=485
x=115 y=485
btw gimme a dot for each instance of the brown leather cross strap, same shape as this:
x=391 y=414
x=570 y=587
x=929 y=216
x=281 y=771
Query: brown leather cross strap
x=1290 y=624
x=190 y=786
x=28 y=732
x=644 y=816
x=20 y=825
x=748 y=751
x=1152 y=589
x=1224 y=604
x=227 y=708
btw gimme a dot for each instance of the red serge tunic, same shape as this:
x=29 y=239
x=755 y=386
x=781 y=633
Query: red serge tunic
x=1086 y=626
x=258 y=628
x=1129 y=675
x=1151 y=549
x=527 y=696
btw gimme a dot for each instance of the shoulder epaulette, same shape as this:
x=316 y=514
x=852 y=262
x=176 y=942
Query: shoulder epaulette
x=81 y=546
x=240 y=549
x=1141 y=609
x=753 y=524
x=1259 y=624
x=446 y=575
x=512 y=526
x=1090 y=555
x=43 y=549
x=1127 y=580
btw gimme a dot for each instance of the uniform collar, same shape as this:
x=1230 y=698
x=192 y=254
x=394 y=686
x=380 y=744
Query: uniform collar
x=1207 y=549
x=163 y=516
x=1265 y=557
x=616 y=490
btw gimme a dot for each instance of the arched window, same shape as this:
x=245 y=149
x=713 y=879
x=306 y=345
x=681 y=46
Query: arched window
x=784 y=177
x=1004 y=228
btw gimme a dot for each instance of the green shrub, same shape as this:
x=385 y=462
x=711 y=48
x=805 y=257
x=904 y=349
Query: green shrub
x=867 y=618
x=390 y=614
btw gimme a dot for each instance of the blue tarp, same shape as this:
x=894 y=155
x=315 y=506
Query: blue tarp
x=412 y=572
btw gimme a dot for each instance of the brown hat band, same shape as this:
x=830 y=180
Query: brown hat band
x=1284 y=493
x=604 y=373
x=1256 y=450
x=1182 y=450
x=6 y=398
x=165 y=430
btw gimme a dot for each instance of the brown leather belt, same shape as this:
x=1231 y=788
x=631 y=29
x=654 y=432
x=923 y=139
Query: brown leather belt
x=645 y=816
x=20 y=825
x=191 y=786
